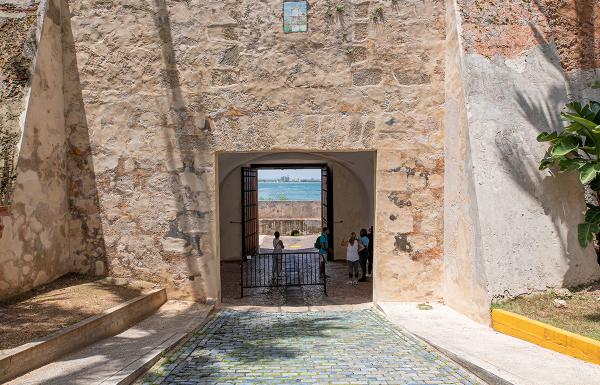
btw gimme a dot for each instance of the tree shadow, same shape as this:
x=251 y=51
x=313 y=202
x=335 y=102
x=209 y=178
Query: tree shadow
x=560 y=195
x=246 y=339
x=189 y=162
x=85 y=226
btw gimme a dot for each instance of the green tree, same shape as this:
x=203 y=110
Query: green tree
x=577 y=148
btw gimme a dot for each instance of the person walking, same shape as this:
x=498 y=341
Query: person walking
x=370 y=258
x=277 y=251
x=352 y=258
x=363 y=253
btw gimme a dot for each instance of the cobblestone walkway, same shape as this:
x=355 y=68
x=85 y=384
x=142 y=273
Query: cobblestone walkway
x=354 y=347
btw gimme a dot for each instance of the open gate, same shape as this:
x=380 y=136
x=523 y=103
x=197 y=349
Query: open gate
x=327 y=206
x=249 y=212
x=280 y=269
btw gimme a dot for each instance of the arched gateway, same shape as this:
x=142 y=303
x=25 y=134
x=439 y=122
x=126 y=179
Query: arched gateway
x=140 y=116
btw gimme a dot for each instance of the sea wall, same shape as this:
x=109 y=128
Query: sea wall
x=288 y=216
x=289 y=209
x=287 y=226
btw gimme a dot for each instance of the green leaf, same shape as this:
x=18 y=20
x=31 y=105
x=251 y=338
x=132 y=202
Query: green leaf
x=546 y=136
x=588 y=172
x=566 y=164
x=574 y=106
x=546 y=162
x=574 y=127
x=585 y=233
x=583 y=121
x=565 y=145
x=593 y=215
x=596 y=83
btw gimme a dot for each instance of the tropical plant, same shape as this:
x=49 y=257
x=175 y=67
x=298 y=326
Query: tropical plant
x=577 y=148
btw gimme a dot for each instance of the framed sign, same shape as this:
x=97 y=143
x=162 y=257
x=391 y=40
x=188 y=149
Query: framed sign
x=295 y=16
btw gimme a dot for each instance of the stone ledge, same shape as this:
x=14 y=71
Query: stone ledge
x=20 y=360
x=546 y=336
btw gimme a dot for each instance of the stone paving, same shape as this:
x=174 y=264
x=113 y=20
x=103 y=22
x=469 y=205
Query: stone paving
x=351 y=347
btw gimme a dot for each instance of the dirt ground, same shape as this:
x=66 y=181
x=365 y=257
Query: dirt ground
x=581 y=314
x=62 y=303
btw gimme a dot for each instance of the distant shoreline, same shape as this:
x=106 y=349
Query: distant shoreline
x=289 y=181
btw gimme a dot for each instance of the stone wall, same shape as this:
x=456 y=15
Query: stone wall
x=288 y=216
x=510 y=72
x=49 y=229
x=287 y=226
x=289 y=209
x=166 y=84
x=34 y=245
x=17 y=47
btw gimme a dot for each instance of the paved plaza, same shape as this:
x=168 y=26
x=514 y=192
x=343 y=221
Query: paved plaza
x=351 y=347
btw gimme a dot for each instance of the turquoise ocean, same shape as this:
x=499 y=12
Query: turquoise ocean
x=289 y=191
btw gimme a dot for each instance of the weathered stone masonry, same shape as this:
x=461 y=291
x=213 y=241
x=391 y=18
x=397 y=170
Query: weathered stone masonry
x=450 y=95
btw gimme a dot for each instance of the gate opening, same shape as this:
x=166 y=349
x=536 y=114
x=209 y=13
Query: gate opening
x=293 y=194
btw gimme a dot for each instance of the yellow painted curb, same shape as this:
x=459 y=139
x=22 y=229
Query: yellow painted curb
x=547 y=336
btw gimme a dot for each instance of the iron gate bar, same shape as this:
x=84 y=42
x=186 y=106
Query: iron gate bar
x=282 y=270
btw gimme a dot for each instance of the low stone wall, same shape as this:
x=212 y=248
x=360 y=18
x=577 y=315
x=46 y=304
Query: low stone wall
x=286 y=226
x=287 y=216
x=289 y=209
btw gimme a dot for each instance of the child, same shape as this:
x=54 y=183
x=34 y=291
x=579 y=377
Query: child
x=352 y=258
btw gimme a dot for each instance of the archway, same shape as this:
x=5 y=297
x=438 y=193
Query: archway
x=353 y=189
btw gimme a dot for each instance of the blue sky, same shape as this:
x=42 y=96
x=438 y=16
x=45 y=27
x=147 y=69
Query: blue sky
x=303 y=173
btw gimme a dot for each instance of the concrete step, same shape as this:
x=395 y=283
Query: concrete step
x=122 y=358
x=22 y=359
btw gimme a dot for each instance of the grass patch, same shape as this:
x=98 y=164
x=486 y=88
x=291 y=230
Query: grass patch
x=580 y=316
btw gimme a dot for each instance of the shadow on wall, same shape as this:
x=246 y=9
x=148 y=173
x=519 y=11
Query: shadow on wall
x=190 y=166
x=541 y=111
x=85 y=228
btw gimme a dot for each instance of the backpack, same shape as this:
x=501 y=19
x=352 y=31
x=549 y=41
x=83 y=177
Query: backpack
x=318 y=243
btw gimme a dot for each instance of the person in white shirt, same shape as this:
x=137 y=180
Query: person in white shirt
x=352 y=258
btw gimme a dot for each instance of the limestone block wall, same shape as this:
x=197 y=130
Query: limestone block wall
x=34 y=247
x=167 y=84
x=518 y=63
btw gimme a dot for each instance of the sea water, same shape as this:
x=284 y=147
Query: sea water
x=289 y=191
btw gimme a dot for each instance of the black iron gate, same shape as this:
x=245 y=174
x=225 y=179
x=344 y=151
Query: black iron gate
x=327 y=206
x=249 y=212
x=283 y=269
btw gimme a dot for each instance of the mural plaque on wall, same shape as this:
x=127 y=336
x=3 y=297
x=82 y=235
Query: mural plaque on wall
x=295 y=16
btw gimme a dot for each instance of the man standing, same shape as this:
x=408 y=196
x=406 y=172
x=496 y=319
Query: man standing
x=363 y=254
x=323 y=242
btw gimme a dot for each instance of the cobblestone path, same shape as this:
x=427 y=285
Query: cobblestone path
x=354 y=347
